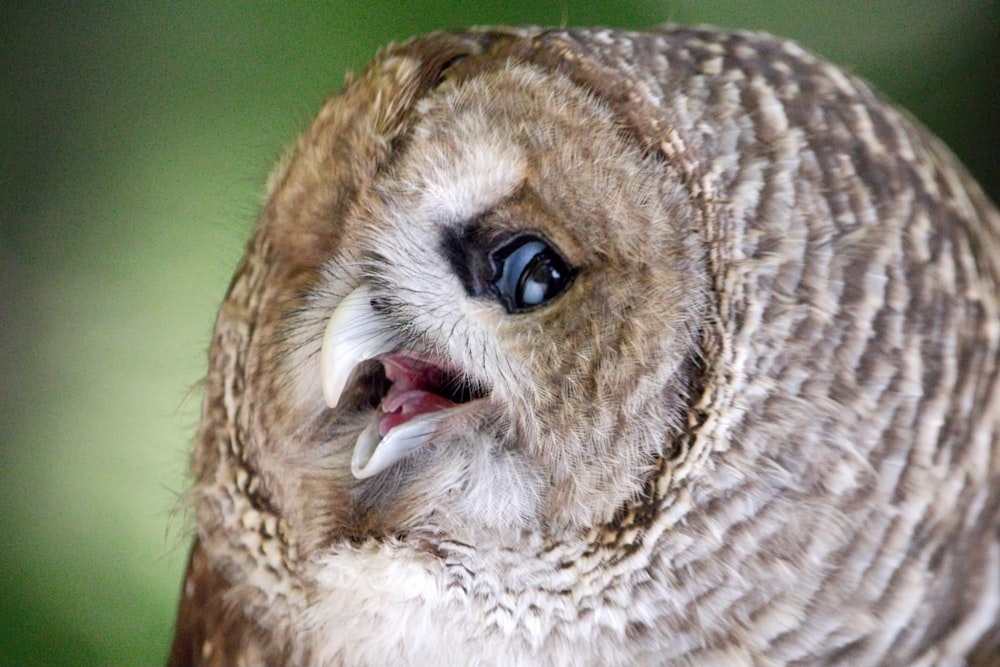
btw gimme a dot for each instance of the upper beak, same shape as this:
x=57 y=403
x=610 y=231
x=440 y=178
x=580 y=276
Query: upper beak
x=355 y=333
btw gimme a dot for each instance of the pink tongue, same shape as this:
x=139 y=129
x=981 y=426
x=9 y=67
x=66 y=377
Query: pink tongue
x=407 y=405
x=407 y=396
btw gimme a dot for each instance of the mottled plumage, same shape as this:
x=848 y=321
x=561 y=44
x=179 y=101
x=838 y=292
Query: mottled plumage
x=589 y=347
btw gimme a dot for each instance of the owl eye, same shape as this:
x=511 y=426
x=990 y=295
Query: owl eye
x=528 y=272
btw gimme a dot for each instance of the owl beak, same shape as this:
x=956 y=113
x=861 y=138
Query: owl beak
x=354 y=334
x=422 y=393
x=374 y=453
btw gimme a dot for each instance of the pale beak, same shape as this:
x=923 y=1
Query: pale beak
x=354 y=334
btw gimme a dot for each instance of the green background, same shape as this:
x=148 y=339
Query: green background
x=135 y=142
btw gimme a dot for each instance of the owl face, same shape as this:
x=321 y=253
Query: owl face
x=508 y=331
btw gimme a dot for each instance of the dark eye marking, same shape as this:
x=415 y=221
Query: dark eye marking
x=521 y=271
x=467 y=251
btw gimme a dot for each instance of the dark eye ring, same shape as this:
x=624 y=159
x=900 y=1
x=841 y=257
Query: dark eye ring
x=527 y=273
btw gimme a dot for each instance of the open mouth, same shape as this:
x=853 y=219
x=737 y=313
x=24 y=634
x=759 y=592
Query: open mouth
x=418 y=386
x=421 y=391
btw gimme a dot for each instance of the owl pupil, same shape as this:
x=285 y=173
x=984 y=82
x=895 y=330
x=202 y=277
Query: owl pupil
x=539 y=280
x=528 y=273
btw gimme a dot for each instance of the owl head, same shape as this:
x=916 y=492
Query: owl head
x=508 y=333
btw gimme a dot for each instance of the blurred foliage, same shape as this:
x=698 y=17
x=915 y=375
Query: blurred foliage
x=135 y=140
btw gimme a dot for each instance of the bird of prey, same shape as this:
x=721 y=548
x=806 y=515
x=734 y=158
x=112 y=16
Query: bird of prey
x=594 y=347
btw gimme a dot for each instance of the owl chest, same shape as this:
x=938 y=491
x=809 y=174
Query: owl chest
x=392 y=610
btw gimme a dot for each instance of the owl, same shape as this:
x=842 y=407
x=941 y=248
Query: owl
x=593 y=347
